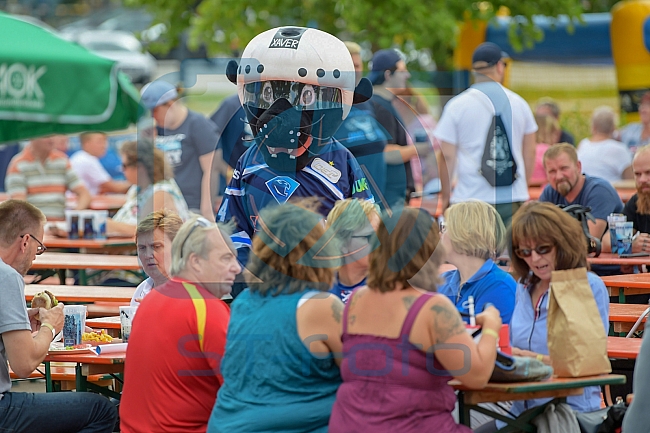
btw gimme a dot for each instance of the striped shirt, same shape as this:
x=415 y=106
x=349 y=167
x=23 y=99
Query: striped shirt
x=44 y=184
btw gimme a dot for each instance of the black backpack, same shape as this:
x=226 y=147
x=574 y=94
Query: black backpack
x=498 y=165
x=583 y=214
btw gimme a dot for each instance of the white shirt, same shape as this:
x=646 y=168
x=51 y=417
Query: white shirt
x=464 y=123
x=89 y=170
x=141 y=291
x=606 y=159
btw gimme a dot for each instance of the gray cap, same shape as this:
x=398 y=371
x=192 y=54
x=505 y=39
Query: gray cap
x=158 y=93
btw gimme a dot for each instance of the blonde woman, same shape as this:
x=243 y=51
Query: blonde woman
x=473 y=236
x=548 y=133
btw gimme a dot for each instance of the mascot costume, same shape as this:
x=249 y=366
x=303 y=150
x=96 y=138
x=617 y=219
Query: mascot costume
x=296 y=86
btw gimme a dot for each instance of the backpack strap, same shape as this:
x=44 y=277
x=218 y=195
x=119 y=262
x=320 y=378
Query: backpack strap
x=200 y=308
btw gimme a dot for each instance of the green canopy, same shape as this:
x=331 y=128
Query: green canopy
x=51 y=86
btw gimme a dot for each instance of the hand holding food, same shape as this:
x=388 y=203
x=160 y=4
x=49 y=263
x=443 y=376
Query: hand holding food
x=45 y=300
x=54 y=317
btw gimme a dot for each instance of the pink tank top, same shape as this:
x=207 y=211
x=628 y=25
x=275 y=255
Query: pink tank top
x=390 y=385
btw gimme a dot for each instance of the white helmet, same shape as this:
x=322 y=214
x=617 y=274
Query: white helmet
x=299 y=55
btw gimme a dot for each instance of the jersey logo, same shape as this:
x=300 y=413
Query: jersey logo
x=332 y=174
x=282 y=188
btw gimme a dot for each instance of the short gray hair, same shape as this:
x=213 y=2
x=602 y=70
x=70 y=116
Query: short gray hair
x=191 y=239
x=603 y=120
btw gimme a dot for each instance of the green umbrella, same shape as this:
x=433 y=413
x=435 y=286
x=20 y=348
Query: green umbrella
x=50 y=86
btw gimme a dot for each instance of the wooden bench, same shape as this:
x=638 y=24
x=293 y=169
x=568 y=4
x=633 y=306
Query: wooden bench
x=623 y=316
x=64 y=375
x=104 y=308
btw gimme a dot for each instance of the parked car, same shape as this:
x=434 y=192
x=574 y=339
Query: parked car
x=124 y=48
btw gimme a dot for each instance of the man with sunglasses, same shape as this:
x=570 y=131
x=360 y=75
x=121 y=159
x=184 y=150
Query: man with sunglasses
x=24 y=341
x=179 y=335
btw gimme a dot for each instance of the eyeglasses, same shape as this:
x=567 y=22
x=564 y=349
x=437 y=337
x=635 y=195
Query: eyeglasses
x=200 y=222
x=539 y=249
x=41 y=248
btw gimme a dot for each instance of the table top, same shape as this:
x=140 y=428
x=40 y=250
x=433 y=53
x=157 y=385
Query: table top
x=626 y=312
x=57 y=242
x=82 y=293
x=110 y=322
x=614 y=259
x=107 y=262
x=554 y=383
x=88 y=358
x=101 y=202
x=625 y=348
x=636 y=281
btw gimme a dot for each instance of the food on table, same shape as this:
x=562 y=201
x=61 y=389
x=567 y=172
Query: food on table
x=100 y=337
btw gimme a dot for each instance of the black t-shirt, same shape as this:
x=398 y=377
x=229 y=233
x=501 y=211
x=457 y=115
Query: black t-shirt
x=399 y=178
x=641 y=222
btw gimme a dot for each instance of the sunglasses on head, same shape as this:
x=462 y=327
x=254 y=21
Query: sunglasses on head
x=539 y=249
x=200 y=222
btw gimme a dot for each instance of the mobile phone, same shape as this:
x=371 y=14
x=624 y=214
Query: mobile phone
x=628 y=256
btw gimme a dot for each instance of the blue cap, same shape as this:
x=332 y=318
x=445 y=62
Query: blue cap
x=487 y=54
x=382 y=61
x=158 y=93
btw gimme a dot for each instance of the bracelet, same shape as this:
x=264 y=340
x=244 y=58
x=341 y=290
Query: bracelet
x=50 y=327
x=491 y=332
x=540 y=357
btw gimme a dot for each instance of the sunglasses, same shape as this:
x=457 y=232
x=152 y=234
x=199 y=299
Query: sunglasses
x=539 y=249
x=41 y=248
x=200 y=222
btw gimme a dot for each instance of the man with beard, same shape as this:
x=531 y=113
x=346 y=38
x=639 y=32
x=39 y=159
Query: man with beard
x=296 y=86
x=637 y=209
x=24 y=340
x=567 y=185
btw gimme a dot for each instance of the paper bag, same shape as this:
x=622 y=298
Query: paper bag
x=577 y=342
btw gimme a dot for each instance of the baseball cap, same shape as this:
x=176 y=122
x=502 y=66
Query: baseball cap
x=487 y=54
x=157 y=93
x=383 y=60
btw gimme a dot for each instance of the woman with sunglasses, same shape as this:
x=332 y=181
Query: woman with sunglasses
x=546 y=239
x=153 y=188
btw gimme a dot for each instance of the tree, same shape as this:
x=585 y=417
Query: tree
x=226 y=26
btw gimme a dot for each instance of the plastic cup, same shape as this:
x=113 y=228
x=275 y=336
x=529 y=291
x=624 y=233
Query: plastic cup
x=624 y=237
x=74 y=324
x=99 y=223
x=126 y=321
x=612 y=220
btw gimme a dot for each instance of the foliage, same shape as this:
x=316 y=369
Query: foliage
x=226 y=26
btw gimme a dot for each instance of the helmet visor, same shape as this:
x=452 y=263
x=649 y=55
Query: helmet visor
x=263 y=94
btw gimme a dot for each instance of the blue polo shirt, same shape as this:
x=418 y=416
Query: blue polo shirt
x=489 y=284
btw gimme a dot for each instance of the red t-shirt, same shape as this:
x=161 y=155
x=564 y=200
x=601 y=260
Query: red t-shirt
x=169 y=385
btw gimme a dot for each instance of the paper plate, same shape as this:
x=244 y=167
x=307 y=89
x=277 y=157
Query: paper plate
x=59 y=349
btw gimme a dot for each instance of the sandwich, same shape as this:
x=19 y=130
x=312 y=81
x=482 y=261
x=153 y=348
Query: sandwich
x=45 y=300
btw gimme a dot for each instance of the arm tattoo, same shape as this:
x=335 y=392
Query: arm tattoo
x=337 y=311
x=446 y=323
x=408 y=301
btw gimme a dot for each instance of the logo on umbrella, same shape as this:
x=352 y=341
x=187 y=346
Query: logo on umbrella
x=19 y=86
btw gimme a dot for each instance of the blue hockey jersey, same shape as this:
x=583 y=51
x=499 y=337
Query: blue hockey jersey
x=333 y=175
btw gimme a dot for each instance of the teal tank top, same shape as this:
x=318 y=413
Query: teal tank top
x=272 y=382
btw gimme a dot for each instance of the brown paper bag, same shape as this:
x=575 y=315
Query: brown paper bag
x=577 y=341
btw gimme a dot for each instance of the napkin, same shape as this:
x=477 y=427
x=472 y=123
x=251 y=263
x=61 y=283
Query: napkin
x=111 y=348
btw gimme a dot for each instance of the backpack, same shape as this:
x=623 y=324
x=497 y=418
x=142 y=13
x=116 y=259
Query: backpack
x=498 y=165
x=583 y=215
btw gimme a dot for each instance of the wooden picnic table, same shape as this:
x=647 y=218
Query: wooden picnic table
x=614 y=259
x=624 y=316
x=104 y=262
x=82 y=294
x=555 y=388
x=100 y=262
x=110 y=322
x=109 y=202
x=627 y=284
x=88 y=364
x=623 y=348
x=127 y=242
